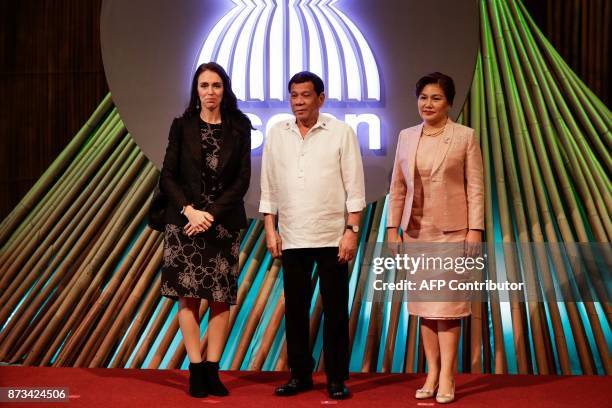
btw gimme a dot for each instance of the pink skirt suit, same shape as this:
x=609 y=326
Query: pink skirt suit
x=436 y=195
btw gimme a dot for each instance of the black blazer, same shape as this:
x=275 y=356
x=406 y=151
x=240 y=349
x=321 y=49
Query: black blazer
x=180 y=178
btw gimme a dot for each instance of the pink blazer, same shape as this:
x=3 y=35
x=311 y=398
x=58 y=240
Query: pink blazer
x=456 y=177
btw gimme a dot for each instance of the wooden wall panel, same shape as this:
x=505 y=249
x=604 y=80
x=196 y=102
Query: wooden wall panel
x=51 y=79
x=580 y=31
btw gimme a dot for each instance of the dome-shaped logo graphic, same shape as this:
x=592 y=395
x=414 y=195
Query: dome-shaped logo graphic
x=262 y=43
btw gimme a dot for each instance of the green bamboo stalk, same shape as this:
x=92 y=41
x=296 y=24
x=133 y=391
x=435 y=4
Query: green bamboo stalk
x=154 y=330
x=582 y=346
x=550 y=181
x=117 y=330
x=138 y=325
x=525 y=215
x=535 y=179
x=53 y=171
x=495 y=100
x=500 y=365
x=362 y=279
x=476 y=319
x=255 y=314
x=91 y=148
x=118 y=288
x=96 y=254
x=73 y=343
x=60 y=200
x=411 y=346
x=90 y=225
x=592 y=180
x=42 y=269
x=116 y=243
x=270 y=334
x=48 y=248
x=91 y=348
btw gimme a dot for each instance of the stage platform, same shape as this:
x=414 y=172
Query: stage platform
x=116 y=388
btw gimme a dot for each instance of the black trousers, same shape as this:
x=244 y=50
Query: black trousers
x=333 y=283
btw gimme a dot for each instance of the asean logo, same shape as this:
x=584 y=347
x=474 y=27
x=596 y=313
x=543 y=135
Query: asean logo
x=262 y=43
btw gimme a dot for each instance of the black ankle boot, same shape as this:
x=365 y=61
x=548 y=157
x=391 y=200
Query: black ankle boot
x=197 y=380
x=215 y=386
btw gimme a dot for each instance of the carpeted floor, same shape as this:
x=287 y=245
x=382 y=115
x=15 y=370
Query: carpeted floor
x=116 y=388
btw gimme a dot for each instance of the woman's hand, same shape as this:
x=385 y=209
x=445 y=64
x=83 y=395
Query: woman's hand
x=394 y=241
x=199 y=221
x=473 y=243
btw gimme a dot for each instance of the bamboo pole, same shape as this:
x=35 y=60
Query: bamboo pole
x=102 y=136
x=475 y=321
x=95 y=256
x=495 y=99
x=20 y=239
x=152 y=333
x=116 y=244
x=363 y=278
x=48 y=248
x=269 y=336
x=411 y=346
x=94 y=220
x=72 y=345
x=117 y=329
x=255 y=314
x=524 y=108
x=53 y=171
x=138 y=325
x=91 y=347
x=500 y=366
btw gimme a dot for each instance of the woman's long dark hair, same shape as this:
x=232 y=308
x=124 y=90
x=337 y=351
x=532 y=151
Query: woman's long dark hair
x=230 y=114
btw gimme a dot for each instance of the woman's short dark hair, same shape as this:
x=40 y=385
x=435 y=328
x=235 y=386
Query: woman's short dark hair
x=307 y=76
x=229 y=103
x=444 y=81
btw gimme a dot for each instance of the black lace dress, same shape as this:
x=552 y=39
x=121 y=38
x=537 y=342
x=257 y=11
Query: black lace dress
x=205 y=265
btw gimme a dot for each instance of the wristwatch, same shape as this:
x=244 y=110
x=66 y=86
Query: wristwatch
x=354 y=228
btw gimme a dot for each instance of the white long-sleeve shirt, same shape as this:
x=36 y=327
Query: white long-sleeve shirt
x=311 y=182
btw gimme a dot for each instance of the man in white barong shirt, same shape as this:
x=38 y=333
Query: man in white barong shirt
x=312 y=179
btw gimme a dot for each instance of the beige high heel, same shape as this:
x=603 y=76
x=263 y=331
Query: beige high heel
x=423 y=393
x=446 y=398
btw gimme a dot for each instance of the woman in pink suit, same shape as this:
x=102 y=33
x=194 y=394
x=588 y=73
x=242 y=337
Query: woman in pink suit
x=437 y=195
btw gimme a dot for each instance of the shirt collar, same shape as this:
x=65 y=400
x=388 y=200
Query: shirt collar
x=322 y=122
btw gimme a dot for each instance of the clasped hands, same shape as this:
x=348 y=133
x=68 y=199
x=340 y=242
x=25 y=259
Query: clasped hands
x=199 y=221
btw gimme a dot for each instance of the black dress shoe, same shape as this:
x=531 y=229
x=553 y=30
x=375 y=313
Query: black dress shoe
x=294 y=386
x=337 y=390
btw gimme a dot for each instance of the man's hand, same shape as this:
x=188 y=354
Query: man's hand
x=274 y=243
x=347 y=247
x=273 y=239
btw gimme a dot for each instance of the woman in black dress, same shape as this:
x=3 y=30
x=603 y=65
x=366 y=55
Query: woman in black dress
x=206 y=173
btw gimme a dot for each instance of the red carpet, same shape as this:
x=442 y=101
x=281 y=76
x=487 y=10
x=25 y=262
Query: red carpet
x=118 y=388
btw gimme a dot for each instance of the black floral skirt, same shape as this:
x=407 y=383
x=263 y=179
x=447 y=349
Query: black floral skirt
x=202 y=266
